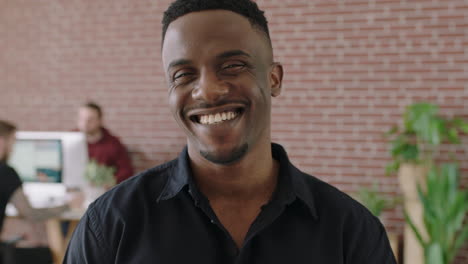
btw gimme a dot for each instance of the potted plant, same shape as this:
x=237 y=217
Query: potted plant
x=421 y=135
x=414 y=146
x=445 y=208
x=100 y=178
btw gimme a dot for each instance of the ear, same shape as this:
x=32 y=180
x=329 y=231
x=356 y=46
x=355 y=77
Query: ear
x=276 y=79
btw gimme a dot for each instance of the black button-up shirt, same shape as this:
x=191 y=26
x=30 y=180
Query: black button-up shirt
x=160 y=216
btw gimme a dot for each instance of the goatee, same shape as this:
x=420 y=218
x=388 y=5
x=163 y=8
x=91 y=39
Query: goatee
x=232 y=157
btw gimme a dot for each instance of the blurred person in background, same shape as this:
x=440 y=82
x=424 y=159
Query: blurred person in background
x=103 y=147
x=11 y=190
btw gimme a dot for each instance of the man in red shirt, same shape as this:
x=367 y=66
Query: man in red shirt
x=103 y=147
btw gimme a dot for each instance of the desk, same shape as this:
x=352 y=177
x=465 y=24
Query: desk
x=58 y=243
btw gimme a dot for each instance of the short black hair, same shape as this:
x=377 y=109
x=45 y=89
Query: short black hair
x=245 y=8
x=6 y=128
x=95 y=107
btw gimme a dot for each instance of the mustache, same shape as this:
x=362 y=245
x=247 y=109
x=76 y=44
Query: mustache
x=204 y=105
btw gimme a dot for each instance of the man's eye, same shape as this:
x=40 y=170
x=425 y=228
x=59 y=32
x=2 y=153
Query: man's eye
x=233 y=66
x=180 y=75
x=232 y=69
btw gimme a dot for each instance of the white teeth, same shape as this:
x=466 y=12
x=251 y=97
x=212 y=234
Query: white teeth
x=217 y=118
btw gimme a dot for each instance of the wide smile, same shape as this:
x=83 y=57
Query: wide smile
x=218 y=116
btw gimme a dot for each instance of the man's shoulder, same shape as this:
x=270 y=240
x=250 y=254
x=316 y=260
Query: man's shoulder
x=122 y=208
x=5 y=167
x=331 y=201
x=7 y=171
x=10 y=178
x=110 y=137
x=362 y=234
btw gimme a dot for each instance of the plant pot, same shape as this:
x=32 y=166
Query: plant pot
x=410 y=176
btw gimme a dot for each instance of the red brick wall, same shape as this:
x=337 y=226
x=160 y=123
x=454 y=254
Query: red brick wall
x=350 y=69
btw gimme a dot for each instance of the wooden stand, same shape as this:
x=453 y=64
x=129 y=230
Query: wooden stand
x=410 y=177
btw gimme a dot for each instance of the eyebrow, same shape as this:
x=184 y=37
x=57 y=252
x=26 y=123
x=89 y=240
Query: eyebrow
x=179 y=63
x=224 y=55
x=232 y=53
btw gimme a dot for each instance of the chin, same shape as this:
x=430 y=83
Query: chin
x=225 y=157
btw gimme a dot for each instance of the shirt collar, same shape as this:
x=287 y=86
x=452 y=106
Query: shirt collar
x=178 y=178
x=292 y=183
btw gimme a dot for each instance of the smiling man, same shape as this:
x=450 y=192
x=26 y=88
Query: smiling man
x=232 y=196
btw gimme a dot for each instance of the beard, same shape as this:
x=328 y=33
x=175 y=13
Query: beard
x=227 y=159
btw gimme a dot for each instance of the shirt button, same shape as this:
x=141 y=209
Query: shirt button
x=213 y=221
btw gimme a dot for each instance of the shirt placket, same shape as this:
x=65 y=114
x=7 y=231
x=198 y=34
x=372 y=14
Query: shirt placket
x=203 y=204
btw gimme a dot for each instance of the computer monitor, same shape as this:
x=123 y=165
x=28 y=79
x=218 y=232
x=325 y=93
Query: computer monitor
x=38 y=160
x=49 y=163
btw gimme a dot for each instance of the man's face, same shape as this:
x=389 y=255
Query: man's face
x=221 y=79
x=88 y=121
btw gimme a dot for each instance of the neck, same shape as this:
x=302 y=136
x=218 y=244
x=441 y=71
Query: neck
x=253 y=177
x=94 y=136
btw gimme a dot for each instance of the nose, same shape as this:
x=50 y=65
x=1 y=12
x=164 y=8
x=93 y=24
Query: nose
x=210 y=88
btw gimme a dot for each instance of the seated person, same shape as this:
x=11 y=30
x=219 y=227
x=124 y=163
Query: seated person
x=103 y=147
x=10 y=184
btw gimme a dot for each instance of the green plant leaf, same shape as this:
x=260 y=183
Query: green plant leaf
x=464 y=128
x=99 y=175
x=435 y=132
x=434 y=254
x=371 y=199
x=391 y=131
x=417 y=117
x=452 y=136
x=462 y=237
x=415 y=229
x=445 y=208
x=458 y=123
x=456 y=212
x=410 y=152
x=429 y=210
x=392 y=167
